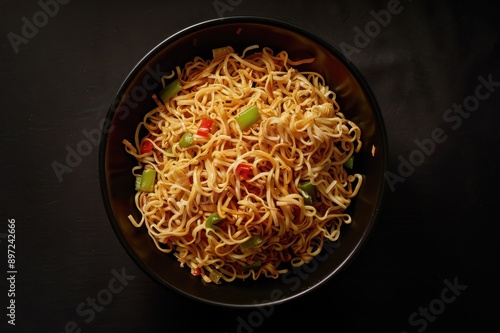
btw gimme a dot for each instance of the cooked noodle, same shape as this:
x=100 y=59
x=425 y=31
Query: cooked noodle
x=301 y=136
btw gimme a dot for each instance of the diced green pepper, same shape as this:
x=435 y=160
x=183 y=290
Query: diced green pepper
x=248 y=117
x=308 y=192
x=186 y=140
x=146 y=181
x=349 y=163
x=307 y=199
x=253 y=241
x=170 y=90
x=212 y=219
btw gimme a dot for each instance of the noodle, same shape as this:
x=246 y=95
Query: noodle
x=265 y=223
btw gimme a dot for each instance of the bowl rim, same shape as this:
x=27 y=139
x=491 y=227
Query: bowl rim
x=360 y=79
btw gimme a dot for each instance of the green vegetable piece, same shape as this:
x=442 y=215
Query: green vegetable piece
x=186 y=140
x=255 y=265
x=138 y=183
x=253 y=241
x=146 y=182
x=170 y=90
x=349 y=163
x=308 y=192
x=307 y=199
x=215 y=277
x=248 y=117
x=212 y=219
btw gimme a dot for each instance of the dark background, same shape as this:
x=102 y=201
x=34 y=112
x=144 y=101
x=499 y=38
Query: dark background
x=438 y=226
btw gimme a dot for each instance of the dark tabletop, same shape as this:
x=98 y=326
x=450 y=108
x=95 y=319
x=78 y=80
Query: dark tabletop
x=431 y=263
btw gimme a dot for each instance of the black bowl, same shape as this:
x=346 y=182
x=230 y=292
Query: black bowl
x=134 y=98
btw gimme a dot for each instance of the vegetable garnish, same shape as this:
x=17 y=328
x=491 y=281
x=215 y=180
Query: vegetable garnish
x=308 y=192
x=212 y=219
x=253 y=241
x=138 y=183
x=146 y=147
x=186 y=140
x=196 y=271
x=349 y=163
x=170 y=90
x=146 y=181
x=205 y=126
x=248 y=117
x=215 y=277
x=255 y=265
x=244 y=171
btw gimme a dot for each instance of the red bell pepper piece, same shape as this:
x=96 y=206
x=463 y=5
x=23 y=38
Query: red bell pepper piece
x=146 y=146
x=244 y=171
x=205 y=126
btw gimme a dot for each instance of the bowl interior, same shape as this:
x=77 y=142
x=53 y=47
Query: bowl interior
x=133 y=100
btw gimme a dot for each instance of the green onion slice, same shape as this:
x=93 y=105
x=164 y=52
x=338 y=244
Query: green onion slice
x=215 y=277
x=146 y=181
x=138 y=183
x=248 y=117
x=253 y=241
x=186 y=140
x=170 y=90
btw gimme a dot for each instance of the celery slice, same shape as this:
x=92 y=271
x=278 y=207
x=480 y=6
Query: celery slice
x=248 y=117
x=138 y=183
x=170 y=90
x=146 y=181
x=215 y=277
x=186 y=140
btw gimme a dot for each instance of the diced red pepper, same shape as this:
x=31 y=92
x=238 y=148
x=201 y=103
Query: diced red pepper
x=196 y=271
x=244 y=171
x=146 y=146
x=205 y=126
